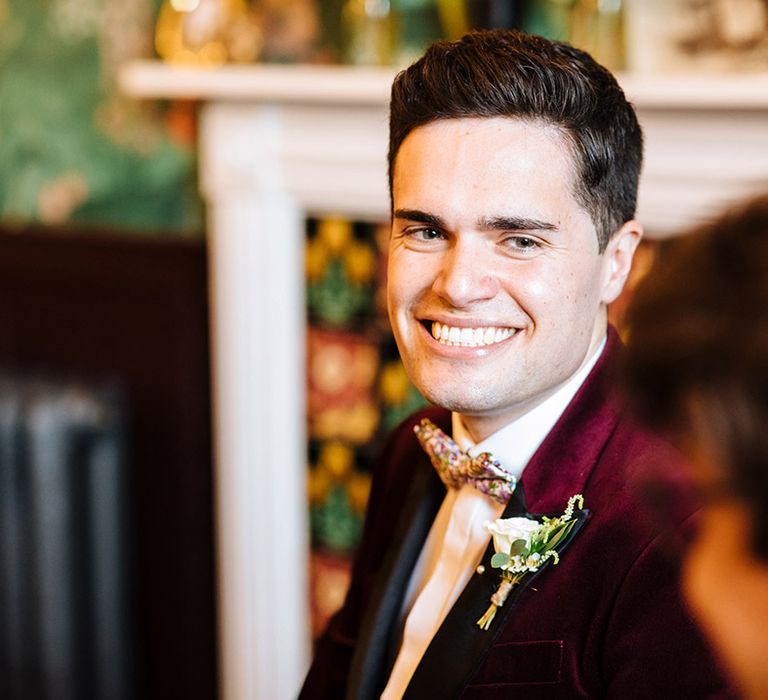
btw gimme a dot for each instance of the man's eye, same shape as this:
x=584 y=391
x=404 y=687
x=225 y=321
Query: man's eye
x=427 y=234
x=522 y=243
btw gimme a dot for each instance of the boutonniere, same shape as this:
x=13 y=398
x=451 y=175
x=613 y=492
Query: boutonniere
x=522 y=546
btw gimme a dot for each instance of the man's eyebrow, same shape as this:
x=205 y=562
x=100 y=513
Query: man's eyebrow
x=421 y=216
x=515 y=223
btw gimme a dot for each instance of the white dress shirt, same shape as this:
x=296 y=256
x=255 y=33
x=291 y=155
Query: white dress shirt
x=457 y=539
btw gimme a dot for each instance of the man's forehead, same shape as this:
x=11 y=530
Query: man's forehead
x=499 y=125
x=468 y=132
x=499 y=161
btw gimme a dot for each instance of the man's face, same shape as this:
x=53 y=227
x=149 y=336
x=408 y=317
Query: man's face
x=496 y=289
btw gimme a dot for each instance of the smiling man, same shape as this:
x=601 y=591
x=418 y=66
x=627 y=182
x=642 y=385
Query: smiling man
x=514 y=164
x=497 y=294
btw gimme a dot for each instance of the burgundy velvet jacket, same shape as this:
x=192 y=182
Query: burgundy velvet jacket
x=606 y=622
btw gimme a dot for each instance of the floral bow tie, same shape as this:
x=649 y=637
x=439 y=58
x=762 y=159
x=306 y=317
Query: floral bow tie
x=456 y=468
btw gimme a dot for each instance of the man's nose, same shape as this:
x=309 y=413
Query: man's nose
x=466 y=276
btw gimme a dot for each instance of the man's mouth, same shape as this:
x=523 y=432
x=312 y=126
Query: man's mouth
x=469 y=337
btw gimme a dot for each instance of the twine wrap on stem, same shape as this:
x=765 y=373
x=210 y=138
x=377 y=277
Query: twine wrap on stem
x=500 y=597
x=497 y=600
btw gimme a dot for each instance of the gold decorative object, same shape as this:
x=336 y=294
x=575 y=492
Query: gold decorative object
x=453 y=17
x=597 y=26
x=368 y=32
x=207 y=32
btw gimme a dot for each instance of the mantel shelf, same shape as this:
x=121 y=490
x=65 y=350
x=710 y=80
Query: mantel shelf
x=305 y=84
x=310 y=84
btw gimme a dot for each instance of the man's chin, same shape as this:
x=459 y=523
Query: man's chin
x=468 y=401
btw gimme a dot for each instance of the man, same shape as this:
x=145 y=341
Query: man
x=698 y=367
x=514 y=164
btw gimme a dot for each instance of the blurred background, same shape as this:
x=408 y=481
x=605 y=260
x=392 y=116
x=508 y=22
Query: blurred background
x=107 y=502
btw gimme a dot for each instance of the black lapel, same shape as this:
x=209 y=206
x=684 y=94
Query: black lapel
x=459 y=646
x=371 y=662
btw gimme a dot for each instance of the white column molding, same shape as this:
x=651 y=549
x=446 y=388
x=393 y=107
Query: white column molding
x=257 y=310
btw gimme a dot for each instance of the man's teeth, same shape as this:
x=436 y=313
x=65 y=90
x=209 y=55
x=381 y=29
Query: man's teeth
x=469 y=337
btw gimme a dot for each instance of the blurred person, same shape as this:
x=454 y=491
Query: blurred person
x=514 y=163
x=698 y=368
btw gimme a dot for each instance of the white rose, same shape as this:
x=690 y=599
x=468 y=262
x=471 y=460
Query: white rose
x=505 y=532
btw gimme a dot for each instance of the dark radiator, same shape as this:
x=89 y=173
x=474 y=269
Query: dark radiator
x=65 y=608
x=96 y=304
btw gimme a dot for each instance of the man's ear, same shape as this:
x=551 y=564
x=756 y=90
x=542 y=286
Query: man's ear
x=617 y=259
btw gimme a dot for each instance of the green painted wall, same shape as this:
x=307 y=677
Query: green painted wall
x=71 y=147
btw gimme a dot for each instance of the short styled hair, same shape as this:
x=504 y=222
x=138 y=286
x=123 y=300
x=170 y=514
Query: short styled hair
x=507 y=73
x=698 y=347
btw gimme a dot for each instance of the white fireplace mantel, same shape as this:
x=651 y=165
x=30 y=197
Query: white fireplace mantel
x=278 y=142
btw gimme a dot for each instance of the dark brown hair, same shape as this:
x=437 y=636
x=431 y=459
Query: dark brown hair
x=699 y=338
x=512 y=74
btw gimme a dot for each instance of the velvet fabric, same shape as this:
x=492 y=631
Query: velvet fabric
x=606 y=622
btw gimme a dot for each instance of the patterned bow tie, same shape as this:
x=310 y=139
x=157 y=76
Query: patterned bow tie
x=456 y=468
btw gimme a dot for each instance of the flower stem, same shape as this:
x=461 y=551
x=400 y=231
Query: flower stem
x=485 y=621
x=497 y=600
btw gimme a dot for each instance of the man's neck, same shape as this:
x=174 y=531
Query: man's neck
x=478 y=428
x=481 y=427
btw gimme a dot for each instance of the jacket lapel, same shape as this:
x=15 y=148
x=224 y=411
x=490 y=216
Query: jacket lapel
x=372 y=660
x=460 y=645
x=564 y=462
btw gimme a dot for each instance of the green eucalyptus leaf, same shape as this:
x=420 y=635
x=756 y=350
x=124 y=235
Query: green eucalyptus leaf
x=499 y=560
x=518 y=547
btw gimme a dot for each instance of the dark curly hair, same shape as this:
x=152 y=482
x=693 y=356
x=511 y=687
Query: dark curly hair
x=503 y=73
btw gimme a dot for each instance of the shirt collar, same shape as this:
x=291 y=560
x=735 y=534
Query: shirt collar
x=514 y=444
